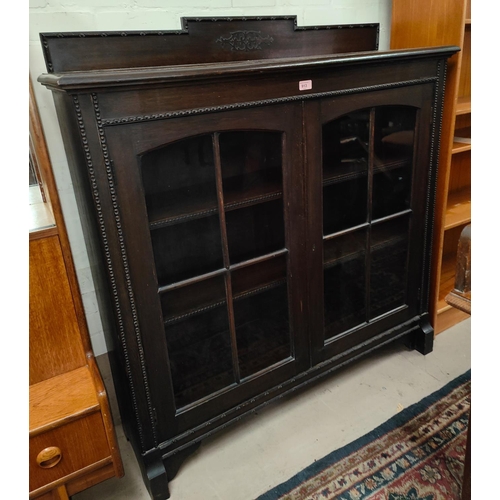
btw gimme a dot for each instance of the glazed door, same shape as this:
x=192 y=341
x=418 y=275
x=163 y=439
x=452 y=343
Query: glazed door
x=207 y=205
x=370 y=174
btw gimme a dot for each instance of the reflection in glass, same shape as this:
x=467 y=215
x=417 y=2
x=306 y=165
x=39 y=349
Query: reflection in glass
x=391 y=191
x=255 y=230
x=262 y=329
x=345 y=145
x=393 y=155
x=345 y=171
x=251 y=165
x=389 y=267
x=344 y=205
x=179 y=179
x=185 y=250
x=199 y=350
x=344 y=282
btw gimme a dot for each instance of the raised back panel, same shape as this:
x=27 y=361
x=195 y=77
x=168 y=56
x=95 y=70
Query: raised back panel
x=204 y=40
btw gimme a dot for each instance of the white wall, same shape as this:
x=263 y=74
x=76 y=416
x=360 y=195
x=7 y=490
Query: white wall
x=129 y=15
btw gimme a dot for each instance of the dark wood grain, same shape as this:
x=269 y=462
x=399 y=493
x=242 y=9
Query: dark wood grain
x=203 y=40
x=218 y=291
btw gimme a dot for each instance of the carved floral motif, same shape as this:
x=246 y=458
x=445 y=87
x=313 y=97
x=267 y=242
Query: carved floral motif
x=245 y=40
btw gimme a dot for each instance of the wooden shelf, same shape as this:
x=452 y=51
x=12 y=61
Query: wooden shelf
x=253 y=196
x=259 y=289
x=460 y=147
x=463 y=105
x=181 y=205
x=335 y=261
x=203 y=204
x=344 y=171
x=458 y=209
x=61 y=399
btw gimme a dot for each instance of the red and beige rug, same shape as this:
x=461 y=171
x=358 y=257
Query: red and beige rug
x=416 y=455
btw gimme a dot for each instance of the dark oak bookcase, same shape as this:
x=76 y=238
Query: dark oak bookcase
x=258 y=201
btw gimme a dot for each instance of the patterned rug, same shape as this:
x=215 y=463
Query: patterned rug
x=416 y=455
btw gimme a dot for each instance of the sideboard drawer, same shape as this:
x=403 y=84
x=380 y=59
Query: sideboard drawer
x=67 y=449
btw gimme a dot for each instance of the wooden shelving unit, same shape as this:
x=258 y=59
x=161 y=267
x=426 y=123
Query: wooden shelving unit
x=414 y=24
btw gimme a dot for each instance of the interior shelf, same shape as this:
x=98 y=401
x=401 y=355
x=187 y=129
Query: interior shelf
x=461 y=140
x=199 y=201
x=463 y=105
x=344 y=171
x=180 y=206
x=460 y=147
x=174 y=319
x=350 y=256
x=458 y=210
x=259 y=289
x=352 y=170
x=246 y=190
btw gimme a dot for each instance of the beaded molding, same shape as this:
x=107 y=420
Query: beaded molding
x=106 y=122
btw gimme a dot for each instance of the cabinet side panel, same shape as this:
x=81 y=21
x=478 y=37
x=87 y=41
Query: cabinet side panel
x=426 y=24
x=55 y=343
x=83 y=192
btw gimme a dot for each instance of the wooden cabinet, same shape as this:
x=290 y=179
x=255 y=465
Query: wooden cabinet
x=263 y=209
x=423 y=24
x=72 y=442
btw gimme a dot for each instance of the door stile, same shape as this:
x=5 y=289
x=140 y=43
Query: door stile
x=294 y=205
x=314 y=203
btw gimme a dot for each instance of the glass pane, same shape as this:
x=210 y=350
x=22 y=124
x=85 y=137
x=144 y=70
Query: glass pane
x=389 y=266
x=391 y=191
x=393 y=157
x=199 y=350
x=345 y=146
x=179 y=179
x=182 y=251
x=251 y=166
x=344 y=205
x=345 y=171
x=262 y=329
x=255 y=230
x=191 y=299
x=344 y=282
x=265 y=274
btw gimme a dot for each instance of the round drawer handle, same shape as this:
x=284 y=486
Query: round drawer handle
x=49 y=457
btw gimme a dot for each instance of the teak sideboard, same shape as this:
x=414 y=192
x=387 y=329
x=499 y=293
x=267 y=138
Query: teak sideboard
x=72 y=439
x=258 y=199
